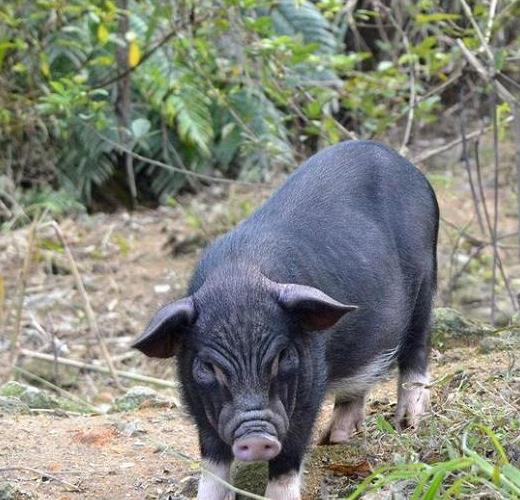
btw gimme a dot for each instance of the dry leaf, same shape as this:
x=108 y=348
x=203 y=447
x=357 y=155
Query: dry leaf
x=362 y=469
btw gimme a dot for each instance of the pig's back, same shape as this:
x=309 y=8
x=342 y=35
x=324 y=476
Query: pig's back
x=357 y=221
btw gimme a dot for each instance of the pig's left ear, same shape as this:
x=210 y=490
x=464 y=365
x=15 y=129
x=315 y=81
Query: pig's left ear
x=317 y=311
x=160 y=339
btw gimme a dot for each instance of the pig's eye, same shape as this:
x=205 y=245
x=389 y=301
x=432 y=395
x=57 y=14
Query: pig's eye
x=203 y=372
x=287 y=362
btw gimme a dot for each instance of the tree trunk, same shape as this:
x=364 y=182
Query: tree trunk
x=123 y=103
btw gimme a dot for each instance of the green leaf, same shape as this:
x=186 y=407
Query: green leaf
x=436 y=17
x=140 y=127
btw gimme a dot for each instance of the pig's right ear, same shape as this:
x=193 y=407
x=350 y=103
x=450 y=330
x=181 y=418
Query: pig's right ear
x=160 y=339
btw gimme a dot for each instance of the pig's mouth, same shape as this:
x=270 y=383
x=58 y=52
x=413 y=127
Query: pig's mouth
x=254 y=434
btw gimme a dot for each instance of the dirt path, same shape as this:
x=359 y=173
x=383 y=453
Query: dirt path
x=132 y=455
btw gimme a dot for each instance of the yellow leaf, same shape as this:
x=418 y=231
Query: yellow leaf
x=134 y=54
x=44 y=68
x=102 y=34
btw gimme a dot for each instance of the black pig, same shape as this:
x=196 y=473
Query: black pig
x=264 y=331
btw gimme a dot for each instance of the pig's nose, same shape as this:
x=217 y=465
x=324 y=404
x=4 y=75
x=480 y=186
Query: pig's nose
x=256 y=447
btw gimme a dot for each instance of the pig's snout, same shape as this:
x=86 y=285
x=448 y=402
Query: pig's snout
x=254 y=447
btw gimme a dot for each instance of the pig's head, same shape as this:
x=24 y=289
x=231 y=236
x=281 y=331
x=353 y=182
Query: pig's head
x=244 y=352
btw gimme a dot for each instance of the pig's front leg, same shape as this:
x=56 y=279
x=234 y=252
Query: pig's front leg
x=285 y=487
x=347 y=418
x=216 y=464
x=285 y=471
x=210 y=488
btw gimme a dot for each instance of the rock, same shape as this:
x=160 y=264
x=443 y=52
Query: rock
x=508 y=340
x=131 y=429
x=12 y=406
x=12 y=492
x=450 y=327
x=65 y=376
x=36 y=398
x=31 y=396
x=398 y=490
x=139 y=396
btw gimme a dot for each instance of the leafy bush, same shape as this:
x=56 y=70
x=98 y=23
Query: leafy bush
x=231 y=88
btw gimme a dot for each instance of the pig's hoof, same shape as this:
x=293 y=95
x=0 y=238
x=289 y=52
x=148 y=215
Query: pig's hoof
x=413 y=402
x=347 y=419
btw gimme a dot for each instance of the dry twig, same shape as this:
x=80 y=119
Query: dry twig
x=487 y=218
x=63 y=392
x=39 y=473
x=449 y=145
x=465 y=154
x=15 y=337
x=91 y=318
x=94 y=368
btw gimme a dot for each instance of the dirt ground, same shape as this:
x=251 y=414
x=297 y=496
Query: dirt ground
x=152 y=453
x=130 y=265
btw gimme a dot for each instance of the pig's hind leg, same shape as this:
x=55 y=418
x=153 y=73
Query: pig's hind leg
x=413 y=394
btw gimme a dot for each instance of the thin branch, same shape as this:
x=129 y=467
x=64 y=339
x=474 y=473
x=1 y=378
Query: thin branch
x=449 y=145
x=489 y=27
x=91 y=319
x=490 y=227
x=99 y=369
x=465 y=159
x=516 y=113
x=160 y=164
x=486 y=74
x=39 y=473
x=495 y=205
x=143 y=59
x=478 y=31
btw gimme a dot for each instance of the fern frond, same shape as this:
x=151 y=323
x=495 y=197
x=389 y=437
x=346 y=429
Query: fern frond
x=303 y=17
x=189 y=107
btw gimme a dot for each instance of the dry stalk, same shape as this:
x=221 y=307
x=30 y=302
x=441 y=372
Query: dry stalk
x=91 y=318
x=449 y=145
x=487 y=75
x=494 y=232
x=489 y=226
x=15 y=337
x=516 y=113
x=483 y=42
x=59 y=390
x=95 y=368
x=2 y=304
x=40 y=473
x=465 y=154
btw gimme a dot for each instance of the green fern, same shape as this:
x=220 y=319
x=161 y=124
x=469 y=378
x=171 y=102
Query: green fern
x=85 y=161
x=189 y=108
x=292 y=17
